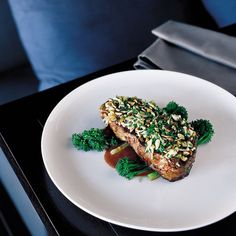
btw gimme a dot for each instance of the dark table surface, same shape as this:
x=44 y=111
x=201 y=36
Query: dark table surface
x=21 y=127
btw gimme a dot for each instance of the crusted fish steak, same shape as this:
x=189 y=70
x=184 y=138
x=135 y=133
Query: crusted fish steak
x=165 y=141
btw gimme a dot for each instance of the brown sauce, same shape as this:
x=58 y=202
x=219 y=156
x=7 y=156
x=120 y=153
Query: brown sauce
x=111 y=160
x=129 y=152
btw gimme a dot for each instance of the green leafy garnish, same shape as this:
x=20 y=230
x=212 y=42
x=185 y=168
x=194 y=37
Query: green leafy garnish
x=204 y=130
x=131 y=168
x=93 y=139
x=173 y=108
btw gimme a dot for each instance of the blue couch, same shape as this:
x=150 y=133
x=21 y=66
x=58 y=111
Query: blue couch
x=43 y=45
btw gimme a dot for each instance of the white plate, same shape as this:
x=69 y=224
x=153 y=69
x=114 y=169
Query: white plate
x=207 y=195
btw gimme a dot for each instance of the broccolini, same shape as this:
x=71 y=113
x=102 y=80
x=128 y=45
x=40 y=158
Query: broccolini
x=204 y=129
x=93 y=139
x=173 y=108
x=131 y=168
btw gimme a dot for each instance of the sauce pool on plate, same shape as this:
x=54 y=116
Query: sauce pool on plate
x=112 y=159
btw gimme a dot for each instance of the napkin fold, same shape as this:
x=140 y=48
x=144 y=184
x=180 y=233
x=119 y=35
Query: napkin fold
x=193 y=50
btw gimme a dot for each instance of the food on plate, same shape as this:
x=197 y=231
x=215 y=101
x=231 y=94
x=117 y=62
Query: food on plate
x=162 y=138
x=94 y=139
x=204 y=130
x=141 y=138
x=131 y=168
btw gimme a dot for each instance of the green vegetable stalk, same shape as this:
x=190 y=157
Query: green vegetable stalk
x=131 y=168
x=153 y=175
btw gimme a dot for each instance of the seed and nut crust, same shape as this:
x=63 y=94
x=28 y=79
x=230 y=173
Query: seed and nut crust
x=167 y=142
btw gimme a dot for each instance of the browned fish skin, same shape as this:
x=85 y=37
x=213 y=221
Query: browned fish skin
x=171 y=169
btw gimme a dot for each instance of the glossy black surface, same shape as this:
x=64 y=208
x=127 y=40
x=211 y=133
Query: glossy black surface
x=7 y=213
x=21 y=127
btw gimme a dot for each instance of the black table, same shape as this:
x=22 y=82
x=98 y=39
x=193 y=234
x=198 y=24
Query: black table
x=47 y=210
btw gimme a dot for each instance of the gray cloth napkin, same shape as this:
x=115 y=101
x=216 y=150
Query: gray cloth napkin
x=193 y=50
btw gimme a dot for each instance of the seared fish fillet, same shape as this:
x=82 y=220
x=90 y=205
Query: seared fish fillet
x=166 y=142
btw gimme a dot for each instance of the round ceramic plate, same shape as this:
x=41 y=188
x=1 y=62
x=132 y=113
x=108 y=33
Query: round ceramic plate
x=207 y=195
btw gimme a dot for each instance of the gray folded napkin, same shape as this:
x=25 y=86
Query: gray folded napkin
x=193 y=50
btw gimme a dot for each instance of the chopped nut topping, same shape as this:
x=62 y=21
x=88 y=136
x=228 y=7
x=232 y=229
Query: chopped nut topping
x=167 y=134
